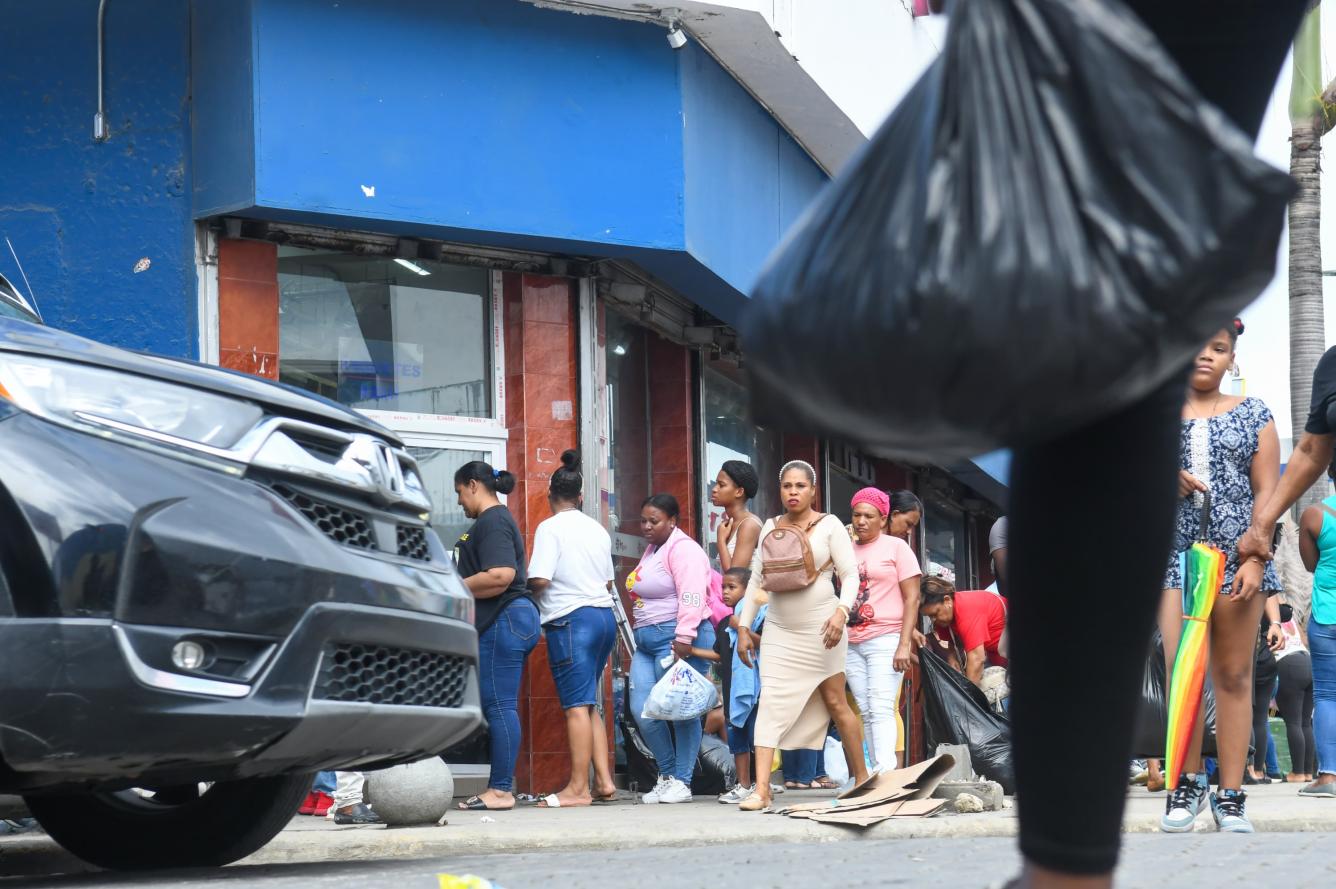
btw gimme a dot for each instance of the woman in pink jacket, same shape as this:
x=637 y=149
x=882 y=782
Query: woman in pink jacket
x=668 y=591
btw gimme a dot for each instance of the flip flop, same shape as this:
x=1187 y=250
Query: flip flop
x=551 y=801
x=614 y=797
x=475 y=804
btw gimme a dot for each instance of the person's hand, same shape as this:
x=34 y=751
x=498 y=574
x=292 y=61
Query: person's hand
x=1254 y=544
x=904 y=654
x=746 y=646
x=1189 y=484
x=1247 y=580
x=721 y=532
x=833 y=631
x=1275 y=639
x=920 y=640
x=682 y=649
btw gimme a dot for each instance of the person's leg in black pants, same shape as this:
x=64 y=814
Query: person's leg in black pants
x=1295 y=699
x=1092 y=519
x=1264 y=688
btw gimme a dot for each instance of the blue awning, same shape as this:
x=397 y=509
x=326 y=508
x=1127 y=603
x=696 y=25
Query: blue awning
x=495 y=124
x=989 y=475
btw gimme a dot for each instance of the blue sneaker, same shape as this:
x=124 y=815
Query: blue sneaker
x=1228 y=807
x=1185 y=803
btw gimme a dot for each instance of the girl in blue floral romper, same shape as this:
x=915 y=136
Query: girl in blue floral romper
x=1229 y=448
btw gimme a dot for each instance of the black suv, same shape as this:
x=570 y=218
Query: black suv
x=211 y=586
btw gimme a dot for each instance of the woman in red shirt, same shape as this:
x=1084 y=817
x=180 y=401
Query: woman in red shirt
x=977 y=618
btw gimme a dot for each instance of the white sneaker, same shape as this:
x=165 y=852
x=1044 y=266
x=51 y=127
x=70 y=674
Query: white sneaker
x=675 y=792
x=655 y=796
x=735 y=796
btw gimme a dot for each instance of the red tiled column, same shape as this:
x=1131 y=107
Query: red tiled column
x=673 y=471
x=248 y=307
x=542 y=416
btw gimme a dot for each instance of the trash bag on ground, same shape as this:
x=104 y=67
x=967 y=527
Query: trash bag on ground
x=683 y=692
x=1044 y=231
x=715 y=771
x=837 y=764
x=1153 y=713
x=955 y=711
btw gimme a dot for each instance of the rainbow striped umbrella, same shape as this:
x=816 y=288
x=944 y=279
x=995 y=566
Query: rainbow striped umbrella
x=1203 y=572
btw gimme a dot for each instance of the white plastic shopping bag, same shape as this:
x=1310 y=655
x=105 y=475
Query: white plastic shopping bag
x=837 y=766
x=683 y=693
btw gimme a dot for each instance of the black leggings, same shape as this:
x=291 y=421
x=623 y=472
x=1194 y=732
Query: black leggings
x=1092 y=520
x=1264 y=686
x=1295 y=699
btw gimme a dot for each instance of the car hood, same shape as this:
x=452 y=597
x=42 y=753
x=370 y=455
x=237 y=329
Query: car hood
x=279 y=398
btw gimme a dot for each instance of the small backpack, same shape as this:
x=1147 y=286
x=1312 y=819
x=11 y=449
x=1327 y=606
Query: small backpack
x=786 y=558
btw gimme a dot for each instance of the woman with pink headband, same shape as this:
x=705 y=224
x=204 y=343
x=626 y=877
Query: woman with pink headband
x=879 y=653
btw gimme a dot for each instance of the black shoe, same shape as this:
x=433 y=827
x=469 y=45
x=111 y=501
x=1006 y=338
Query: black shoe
x=360 y=814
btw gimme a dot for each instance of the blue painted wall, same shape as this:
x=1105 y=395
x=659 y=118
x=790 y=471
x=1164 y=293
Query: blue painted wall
x=82 y=214
x=498 y=123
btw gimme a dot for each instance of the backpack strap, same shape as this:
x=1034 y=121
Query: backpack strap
x=1328 y=509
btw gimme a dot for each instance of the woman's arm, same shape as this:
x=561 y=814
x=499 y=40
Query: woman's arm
x=689 y=568
x=539 y=585
x=721 y=544
x=1264 y=475
x=1310 y=528
x=746 y=537
x=904 y=653
x=846 y=569
x=490 y=583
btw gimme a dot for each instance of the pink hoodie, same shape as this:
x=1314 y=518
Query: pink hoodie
x=672 y=580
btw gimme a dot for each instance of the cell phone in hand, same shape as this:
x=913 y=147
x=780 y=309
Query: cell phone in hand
x=1277 y=535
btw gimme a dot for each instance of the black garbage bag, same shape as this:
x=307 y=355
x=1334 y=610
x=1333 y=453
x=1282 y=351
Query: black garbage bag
x=955 y=711
x=1153 y=713
x=1045 y=230
x=715 y=771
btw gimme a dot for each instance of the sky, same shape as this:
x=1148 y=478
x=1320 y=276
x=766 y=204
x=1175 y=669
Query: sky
x=866 y=53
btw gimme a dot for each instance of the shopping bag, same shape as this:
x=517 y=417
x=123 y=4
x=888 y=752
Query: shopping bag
x=683 y=693
x=1044 y=231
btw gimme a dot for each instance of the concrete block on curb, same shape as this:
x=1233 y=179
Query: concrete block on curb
x=963 y=769
x=988 y=792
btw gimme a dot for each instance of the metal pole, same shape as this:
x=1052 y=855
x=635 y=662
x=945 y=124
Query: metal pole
x=100 y=133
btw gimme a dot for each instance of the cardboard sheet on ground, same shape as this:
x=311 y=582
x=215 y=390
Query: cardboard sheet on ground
x=866 y=817
x=898 y=794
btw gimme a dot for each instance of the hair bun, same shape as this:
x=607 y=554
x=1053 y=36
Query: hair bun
x=570 y=460
x=1238 y=327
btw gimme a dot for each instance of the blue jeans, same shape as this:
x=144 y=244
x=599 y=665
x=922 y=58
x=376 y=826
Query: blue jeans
x=675 y=745
x=325 y=782
x=801 y=766
x=1322 y=647
x=502 y=649
x=578 y=647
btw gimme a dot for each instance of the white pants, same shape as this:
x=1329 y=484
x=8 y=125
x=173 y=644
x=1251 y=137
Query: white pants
x=870 y=670
x=349 y=790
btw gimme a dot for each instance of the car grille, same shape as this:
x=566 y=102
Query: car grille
x=413 y=543
x=351 y=528
x=377 y=674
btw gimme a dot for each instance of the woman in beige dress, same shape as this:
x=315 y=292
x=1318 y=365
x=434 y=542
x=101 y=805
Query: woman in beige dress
x=804 y=645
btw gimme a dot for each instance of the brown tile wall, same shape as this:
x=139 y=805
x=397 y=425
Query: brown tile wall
x=672 y=410
x=248 y=307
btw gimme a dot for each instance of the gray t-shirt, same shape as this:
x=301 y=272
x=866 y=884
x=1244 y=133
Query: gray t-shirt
x=997 y=538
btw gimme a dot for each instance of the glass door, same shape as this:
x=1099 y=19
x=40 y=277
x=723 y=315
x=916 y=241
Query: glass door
x=438 y=458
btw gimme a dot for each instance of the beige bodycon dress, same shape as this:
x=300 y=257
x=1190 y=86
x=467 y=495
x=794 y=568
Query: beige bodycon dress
x=794 y=660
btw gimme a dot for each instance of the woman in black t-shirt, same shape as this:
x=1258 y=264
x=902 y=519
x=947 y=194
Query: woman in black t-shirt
x=491 y=561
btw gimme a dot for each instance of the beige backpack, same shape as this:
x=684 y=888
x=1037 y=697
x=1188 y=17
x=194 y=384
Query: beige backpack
x=787 y=564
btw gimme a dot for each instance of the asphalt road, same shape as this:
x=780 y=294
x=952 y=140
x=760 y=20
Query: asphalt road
x=1292 y=860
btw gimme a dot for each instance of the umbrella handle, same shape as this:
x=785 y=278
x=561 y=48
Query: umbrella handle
x=1205 y=516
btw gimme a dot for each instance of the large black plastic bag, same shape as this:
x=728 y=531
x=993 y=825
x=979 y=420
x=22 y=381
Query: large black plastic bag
x=1046 y=229
x=955 y=711
x=1153 y=714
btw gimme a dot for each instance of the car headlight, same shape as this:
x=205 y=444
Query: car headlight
x=72 y=393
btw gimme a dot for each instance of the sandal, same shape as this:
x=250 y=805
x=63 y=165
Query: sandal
x=475 y=804
x=754 y=803
x=824 y=784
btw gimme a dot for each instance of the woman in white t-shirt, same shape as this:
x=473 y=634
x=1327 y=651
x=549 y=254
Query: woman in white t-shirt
x=570 y=573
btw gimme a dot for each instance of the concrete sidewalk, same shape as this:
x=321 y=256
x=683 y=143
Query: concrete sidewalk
x=1274 y=808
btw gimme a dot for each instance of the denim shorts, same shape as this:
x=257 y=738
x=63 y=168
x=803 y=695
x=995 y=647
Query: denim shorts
x=578 y=647
x=743 y=740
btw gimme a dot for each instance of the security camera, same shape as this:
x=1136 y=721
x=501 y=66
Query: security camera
x=677 y=38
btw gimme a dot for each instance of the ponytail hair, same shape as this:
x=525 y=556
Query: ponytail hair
x=498 y=481
x=567 y=483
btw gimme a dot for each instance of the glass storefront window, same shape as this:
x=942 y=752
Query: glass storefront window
x=945 y=550
x=379 y=333
x=438 y=467
x=629 y=444
x=731 y=435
